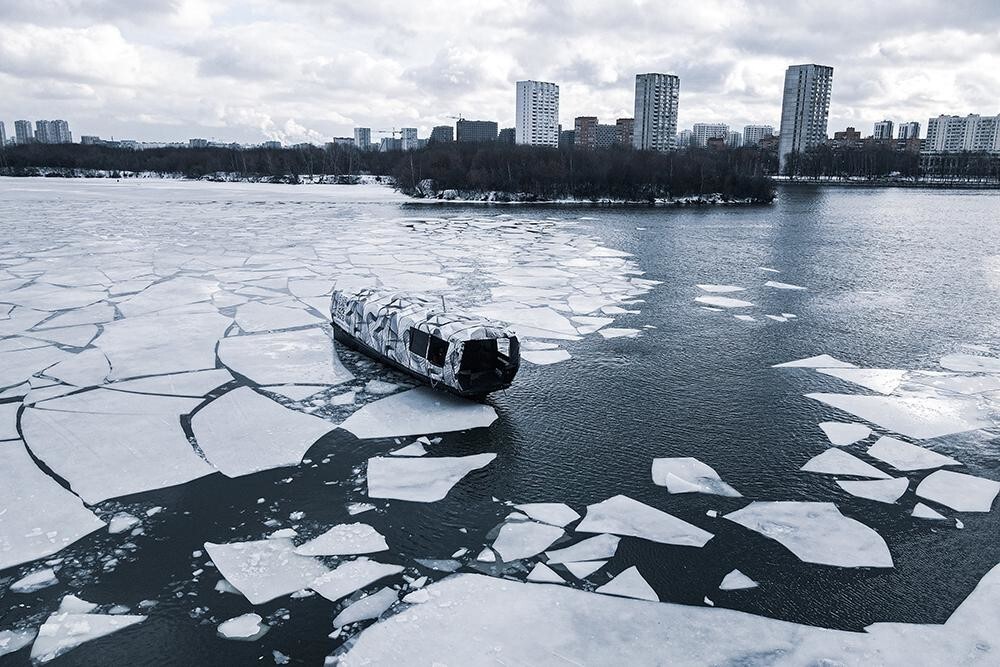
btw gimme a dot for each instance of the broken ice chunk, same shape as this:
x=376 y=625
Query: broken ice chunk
x=380 y=387
x=295 y=392
x=524 y=539
x=74 y=605
x=346 y=539
x=880 y=490
x=723 y=302
x=882 y=380
x=612 y=332
x=922 y=511
x=914 y=416
x=367 y=608
x=719 y=289
x=418 y=411
x=970 y=363
x=12 y=641
x=592 y=548
x=629 y=584
x=243 y=432
x=776 y=285
x=63 y=632
x=689 y=475
x=906 y=456
x=841 y=434
x=352 y=576
x=816 y=533
x=412 y=449
x=838 y=462
x=486 y=556
x=121 y=522
x=745 y=318
x=777 y=318
x=545 y=357
x=256 y=316
x=964 y=493
x=583 y=569
x=586 y=325
x=543 y=574
x=358 y=508
x=735 y=581
x=819 y=361
x=248 y=627
x=420 y=479
x=622 y=515
x=265 y=569
x=556 y=514
x=300 y=357
x=35 y=581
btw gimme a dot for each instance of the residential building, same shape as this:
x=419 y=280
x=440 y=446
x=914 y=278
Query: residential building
x=444 y=134
x=422 y=143
x=390 y=144
x=768 y=143
x=585 y=132
x=507 y=136
x=805 y=109
x=705 y=131
x=626 y=129
x=3 y=135
x=850 y=134
x=567 y=138
x=716 y=143
x=342 y=141
x=734 y=139
x=607 y=135
x=752 y=134
x=59 y=129
x=537 y=113
x=408 y=139
x=882 y=130
x=198 y=143
x=271 y=145
x=910 y=130
x=971 y=133
x=475 y=131
x=656 y=99
x=685 y=138
x=23 y=132
x=363 y=138
x=42 y=132
x=90 y=140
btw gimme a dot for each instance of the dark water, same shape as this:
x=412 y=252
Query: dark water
x=896 y=278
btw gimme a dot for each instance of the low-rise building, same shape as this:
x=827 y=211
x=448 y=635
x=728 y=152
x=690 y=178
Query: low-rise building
x=475 y=131
x=442 y=134
x=585 y=132
x=507 y=136
x=752 y=134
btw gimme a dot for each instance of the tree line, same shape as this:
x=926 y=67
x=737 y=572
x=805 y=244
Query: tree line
x=880 y=161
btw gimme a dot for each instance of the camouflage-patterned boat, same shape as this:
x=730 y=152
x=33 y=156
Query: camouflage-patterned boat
x=464 y=353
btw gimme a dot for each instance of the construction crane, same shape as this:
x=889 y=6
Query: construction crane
x=393 y=132
x=458 y=117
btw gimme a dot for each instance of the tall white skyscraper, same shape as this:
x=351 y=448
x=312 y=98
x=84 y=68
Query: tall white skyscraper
x=23 y=132
x=805 y=108
x=752 y=134
x=910 y=130
x=3 y=135
x=971 y=133
x=705 y=131
x=537 y=115
x=363 y=137
x=882 y=130
x=656 y=98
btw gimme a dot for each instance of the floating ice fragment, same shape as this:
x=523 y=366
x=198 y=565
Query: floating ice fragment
x=612 y=332
x=585 y=325
x=838 y=462
x=735 y=581
x=265 y=569
x=540 y=322
x=745 y=318
x=12 y=641
x=121 y=522
x=970 y=363
x=243 y=432
x=964 y=493
x=248 y=627
x=223 y=586
x=280 y=658
x=816 y=533
x=819 y=361
x=367 y=608
x=420 y=479
x=723 y=302
x=358 y=508
x=347 y=398
x=352 y=576
x=689 y=475
x=285 y=532
x=301 y=357
x=380 y=388
x=916 y=417
x=417 y=597
x=906 y=456
x=776 y=285
x=881 y=490
x=622 y=515
x=35 y=581
x=524 y=539
x=543 y=574
x=777 y=318
x=412 y=449
x=922 y=511
x=73 y=605
x=592 y=548
x=545 y=357
x=556 y=514
x=487 y=555
x=882 y=380
x=720 y=289
x=959 y=384
x=63 y=632
x=441 y=565
x=418 y=411
x=583 y=569
x=295 y=392
x=629 y=584
x=841 y=434
x=346 y=539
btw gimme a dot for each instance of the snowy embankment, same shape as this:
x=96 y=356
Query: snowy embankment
x=500 y=197
x=218 y=176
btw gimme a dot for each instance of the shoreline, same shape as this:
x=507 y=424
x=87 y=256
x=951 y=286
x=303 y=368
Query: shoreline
x=888 y=183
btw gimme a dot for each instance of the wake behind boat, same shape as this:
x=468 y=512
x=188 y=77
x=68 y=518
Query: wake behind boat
x=464 y=353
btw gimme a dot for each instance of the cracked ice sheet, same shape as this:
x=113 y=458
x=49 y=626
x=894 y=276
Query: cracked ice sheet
x=17 y=366
x=540 y=322
x=621 y=515
x=305 y=357
x=970 y=363
x=63 y=632
x=265 y=569
x=964 y=493
x=38 y=517
x=689 y=475
x=346 y=539
x=86 y=369
x=816 y=533
x=168 y=294
x=8 y=421
x=242 y=432
x=194 y=384
x=352 y=576
x=523 y=539
x=914 y=416
x=255 y=317
x=423 y=480
x=416 y=412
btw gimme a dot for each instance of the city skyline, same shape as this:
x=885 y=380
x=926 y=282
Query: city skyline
x=188 y=69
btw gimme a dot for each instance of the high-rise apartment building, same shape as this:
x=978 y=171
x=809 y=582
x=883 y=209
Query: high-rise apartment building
x=882 y=130
x=475 y=131
x=42 y=132
x=805 y=109
x=23 y=132
x=506 y=136
x=656 y=99
x=734 y=139
x=363 y=138
x=52 y=132
x=971 y=133
x=685 y=138
x=537 y=113
x=606 y=135
x=3 y=135
x=625 y=129
x=910 y=130
x=704 y=131
x=585 y=132
x=408 y=139
x=752 y=134
x=442 y=134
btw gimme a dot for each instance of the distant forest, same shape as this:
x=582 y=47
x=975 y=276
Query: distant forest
x=531 y=172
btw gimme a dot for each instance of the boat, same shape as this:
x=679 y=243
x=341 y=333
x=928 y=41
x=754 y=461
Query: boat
x=455 y=350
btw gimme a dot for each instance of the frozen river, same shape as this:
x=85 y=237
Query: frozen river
x=184 y=451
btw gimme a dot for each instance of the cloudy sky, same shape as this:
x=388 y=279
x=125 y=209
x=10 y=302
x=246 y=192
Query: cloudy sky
x=304 y=70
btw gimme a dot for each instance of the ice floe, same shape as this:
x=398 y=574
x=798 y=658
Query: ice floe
x=585 y=325
x=265 y=569
x=621 y=515
x=964 y=493
x=545 y=357
x=922 y=511
x=412 y=449
x=914 y=416
x=838 y=462
x=35 y=581
x=556 y=514
x=243 y=432
x=301 y=357
x=592 y=548
x=346 y=539
x=723 y=302
x=193 y=384
x=736 y=581
x=256 y=317
x=970 y=363
x=541 y=322
x=8 y=421
x=367 y=608
x=819 y=361
x=777 y=285
x=418 y=411
x=689 y=475
x=880 y=490
x=352 y=576
x=543 y=574
x=882 y=380
x=523 y=539
x=816 y=533
x=583 y=569
x=612 y=332
x=906 y=456
x=720 y=289
x=422 y=480
x=63 y=632
x=12 y=641
x=745 y=318
x=248 y=627
x=629 y=584
x=842 y=434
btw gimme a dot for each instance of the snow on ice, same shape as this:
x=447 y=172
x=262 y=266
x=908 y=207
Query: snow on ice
x=265 y=569
x=346 y=539
x=352 y=576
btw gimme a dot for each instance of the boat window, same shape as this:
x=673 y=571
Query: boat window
x=418 y=342
x=437 y=351
x=503 y=346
